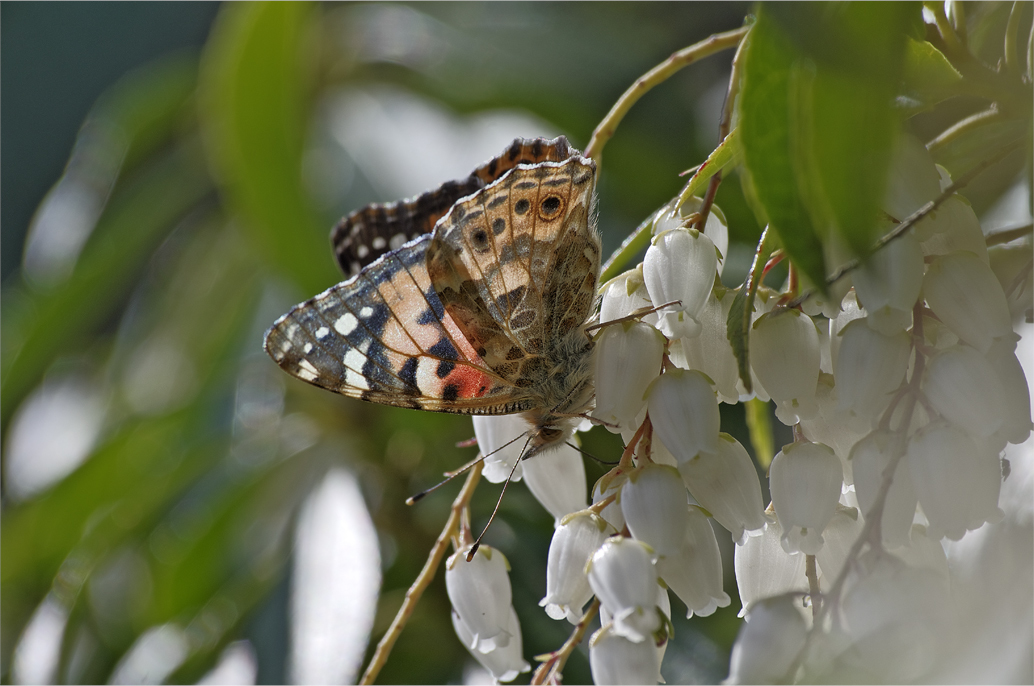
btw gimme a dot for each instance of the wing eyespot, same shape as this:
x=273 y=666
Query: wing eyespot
x=551 y=207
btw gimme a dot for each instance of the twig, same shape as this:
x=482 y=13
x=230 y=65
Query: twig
x=705 y=48
x=549 y=671
x=944 y=27
x=1000 y=237
x=1012 y=29
x=964 y=126
x=813 y=586
x=912 y=220
x=423 y=580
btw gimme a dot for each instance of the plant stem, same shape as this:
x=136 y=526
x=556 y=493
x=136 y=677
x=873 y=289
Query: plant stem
x=423 y=580
x=1012 y=29
x=549 y=671
x=705 y=48
x=964 y=126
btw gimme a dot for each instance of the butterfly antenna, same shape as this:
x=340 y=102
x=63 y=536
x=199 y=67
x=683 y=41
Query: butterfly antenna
x=449 y=476
x=638 y=314
x=590 y=455
x=477 y=543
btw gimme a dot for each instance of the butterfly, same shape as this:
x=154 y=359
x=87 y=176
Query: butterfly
x=474 y=298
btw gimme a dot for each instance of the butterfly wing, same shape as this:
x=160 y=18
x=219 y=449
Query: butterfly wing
x=385 y=337
x=516 y=264
x=368 y=233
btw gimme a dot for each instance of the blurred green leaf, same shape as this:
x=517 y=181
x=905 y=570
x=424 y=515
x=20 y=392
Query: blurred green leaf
x=255 y=82
x=927 y=72
x=139 y=216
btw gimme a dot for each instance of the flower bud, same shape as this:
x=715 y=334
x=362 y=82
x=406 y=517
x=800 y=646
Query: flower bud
x=726 y=484
x=869 y=458
x=952 y=226
x=840 y=534
x=870 y=367
x=716 y=228
x=764 y=569
x=805 y=481
x=694 y=572
x=768 y=643
x=623 y=577
x=963 y=387
x=957 y=482
x=480 y=594
x=888 y=284
x=505 y=663
x=784 y=353
x=680 y=265
x=613 y=659
x=653 y=502
x=577 y=537
x=710 y=352
x=964 y=293
x=628 y=358
x=557 y=480
x=1016 y=422
x=623 y=295
x=501 y=440
x=684 y=412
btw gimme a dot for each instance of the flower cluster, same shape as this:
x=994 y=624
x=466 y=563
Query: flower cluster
x=903 y=388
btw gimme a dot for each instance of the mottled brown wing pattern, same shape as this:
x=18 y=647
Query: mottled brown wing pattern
x=364 y=235
x=499 y=259
x=384 y=336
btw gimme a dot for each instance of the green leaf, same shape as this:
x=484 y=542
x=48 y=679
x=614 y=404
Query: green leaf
x=928 y=74
x=254 y=95
x=818 y=121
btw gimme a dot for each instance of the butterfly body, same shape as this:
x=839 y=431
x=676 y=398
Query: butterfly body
x=486 y=314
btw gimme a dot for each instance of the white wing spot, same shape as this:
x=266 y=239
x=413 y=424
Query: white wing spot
x=307 y=371
x=362 y=251
x=379 y=243
x=354 y=361
x=345 y=324
x=322 y=332
x=307 y=348
x=366 y=312
x=397 y=241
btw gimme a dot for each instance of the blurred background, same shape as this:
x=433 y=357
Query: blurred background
x=176 y=508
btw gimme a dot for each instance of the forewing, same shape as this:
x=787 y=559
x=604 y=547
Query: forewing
x=368 y=233
x=384 y=336
x=497 y=259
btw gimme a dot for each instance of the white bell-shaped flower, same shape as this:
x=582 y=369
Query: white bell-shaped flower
x=964 y=388
x=628 y=358
x=716 y=228
x=839 y=429
x=850 y=311
x=623 y=577
x=608 y=485
x=785 y=356
x=956 y=480
x=613 y=659
x=764 y=569
x=952 y=226
x=768 y=643
x=502 y=440
x=661 y=638
x=653 y=502
x=684 y=412
x=840 y=534
x=870 y=367
x=805 y=480
x=964 y=293
x=680 y=265
x=577 y=537
x=888 y=284
x=1016 y=421
x=924 y=552
x=480 y=594
x=710 y=352
x=624 y=294
x=504 y=664
x=869 y=459
x=694 y=572
x=557 y=480
x=726 y=484
x=912 y=178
